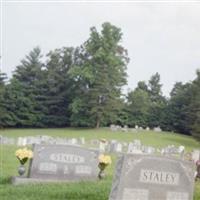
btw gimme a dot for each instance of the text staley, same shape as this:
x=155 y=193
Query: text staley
x=159 y=177
x=66 y=158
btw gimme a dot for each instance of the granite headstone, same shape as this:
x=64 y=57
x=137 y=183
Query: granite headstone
x=64 y=162
x=145 y=177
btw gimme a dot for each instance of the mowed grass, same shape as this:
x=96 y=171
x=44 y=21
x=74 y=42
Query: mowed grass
x=98 y=190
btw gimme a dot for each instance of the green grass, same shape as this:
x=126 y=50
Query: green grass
x=98 y=190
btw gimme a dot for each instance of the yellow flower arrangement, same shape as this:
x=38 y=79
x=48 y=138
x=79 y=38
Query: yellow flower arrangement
x=104 y=161
x=23 y=155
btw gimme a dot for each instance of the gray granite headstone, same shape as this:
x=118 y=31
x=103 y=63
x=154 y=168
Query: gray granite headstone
x=145 y=177
x=64 y=162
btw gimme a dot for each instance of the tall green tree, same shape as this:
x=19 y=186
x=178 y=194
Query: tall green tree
x=3 y=113
x=102 y=74
x=138 y=107
x=195 y=107
x=158 y=102
x=60 y=88
x=29 y=76
x=178 y=110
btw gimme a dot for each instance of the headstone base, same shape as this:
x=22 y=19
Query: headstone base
x=16 y=180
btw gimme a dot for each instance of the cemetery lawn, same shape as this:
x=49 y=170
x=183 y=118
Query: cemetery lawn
x=98 y=190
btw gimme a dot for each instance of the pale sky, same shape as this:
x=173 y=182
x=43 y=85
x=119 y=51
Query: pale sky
x=159 y=37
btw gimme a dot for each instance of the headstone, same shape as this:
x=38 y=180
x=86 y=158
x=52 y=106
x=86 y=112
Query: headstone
x=7 y=141
x=149 y=150
x=181 y=150
x=133 y=130
x=133 y=149
x=94 y=142
x=118 y=148
x=62 y=162
x=62 y=141
x=137 y=143
x=119 y=128
x=125 y=128
x=82 y=141
x=102 y=145
x=74 y=141
x=19 y=141
x=147 y=128
x=140 y=128
x=24 y=141
x=43 y=139
x=112 y=146
x=157 y=129
x=142 y=177
x=113 y=127
x=195 y=155
x=171 y=150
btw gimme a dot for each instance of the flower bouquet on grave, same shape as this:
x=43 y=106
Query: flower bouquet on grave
x=104 y=161
x=23 y=155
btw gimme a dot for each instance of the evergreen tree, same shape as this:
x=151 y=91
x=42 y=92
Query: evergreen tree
x=59 y=92
x=3 y=113
x=195 y=107
x=30 y=77
x=178 y=109
x=158 y=102
x=138 y=107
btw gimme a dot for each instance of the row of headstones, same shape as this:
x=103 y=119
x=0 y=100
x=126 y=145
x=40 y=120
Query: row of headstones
x=136 y=147
x=137 y=128
x=112 y=146
x=6 y=140
x=43 y=139
x=137 y=176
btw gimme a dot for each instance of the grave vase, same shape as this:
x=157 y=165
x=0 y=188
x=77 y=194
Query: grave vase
x=101 y=174
x=21 y=170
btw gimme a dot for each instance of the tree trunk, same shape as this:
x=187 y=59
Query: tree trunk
x=97 y=122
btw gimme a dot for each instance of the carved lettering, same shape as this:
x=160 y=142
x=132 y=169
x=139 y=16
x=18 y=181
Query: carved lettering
x=66 y=158
x=158 y=177
x=82 y=169
x=177 y=196
x=48 y=168
x=140 y=194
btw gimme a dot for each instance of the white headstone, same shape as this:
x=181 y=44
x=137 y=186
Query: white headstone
x=195 y=155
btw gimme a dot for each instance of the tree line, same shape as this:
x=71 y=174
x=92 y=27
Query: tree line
x=82 y=87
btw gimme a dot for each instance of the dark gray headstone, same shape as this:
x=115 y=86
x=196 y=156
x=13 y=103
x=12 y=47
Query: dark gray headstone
x=64 y=162
x=145 y=177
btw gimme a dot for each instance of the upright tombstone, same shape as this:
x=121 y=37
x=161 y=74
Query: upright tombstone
x=19 y=141
x=147 y=128
x=61 y=163
x=118 y=147
x=82 y=140
x=145 y=177
x=157 y=129
x=102 y=145
x=196 y=155
x=24 y=141
x=149 y=150
x=134 y=148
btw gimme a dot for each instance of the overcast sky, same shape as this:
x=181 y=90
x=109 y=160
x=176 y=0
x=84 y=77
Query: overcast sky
x=160 y=37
